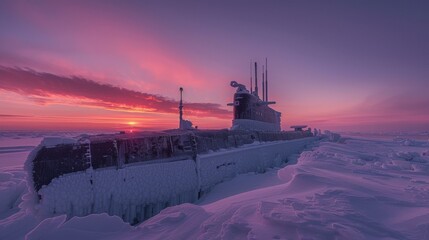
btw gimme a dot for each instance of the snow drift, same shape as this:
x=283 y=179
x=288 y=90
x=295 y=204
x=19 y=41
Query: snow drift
x=351 y=189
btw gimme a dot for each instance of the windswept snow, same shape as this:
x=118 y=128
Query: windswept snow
x=96 y=226
x=12 y=187
x=361 y=189
x=356 y=188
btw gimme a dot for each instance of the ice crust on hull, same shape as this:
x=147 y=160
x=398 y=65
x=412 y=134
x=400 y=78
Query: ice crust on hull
x=132 y=193
x=139 y=191
x=214 y=168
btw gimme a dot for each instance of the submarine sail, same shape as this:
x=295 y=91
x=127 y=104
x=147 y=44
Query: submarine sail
x=251 y=112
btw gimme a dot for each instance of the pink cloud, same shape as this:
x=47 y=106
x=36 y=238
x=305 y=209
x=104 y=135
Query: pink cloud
x=45 y=88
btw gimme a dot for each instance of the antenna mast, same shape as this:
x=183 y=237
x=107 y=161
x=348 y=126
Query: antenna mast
x=266 y=79
x=180 y=109
x=263 y=84
x=256 y=79
x=251 y=81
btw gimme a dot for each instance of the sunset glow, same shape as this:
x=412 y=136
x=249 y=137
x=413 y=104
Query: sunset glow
x=95 y=65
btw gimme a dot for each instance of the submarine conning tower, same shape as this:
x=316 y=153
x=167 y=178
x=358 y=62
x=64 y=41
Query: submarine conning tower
x=250 y=111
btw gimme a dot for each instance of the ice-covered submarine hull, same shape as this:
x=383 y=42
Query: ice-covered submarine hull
x=50 y=161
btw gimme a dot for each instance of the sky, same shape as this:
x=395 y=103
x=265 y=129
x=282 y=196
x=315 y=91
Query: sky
x=338 y=65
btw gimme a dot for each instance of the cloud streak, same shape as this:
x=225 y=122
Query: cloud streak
x=49 y=88
x=13 y=116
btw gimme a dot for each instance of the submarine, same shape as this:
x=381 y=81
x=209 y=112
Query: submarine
x=255 y=142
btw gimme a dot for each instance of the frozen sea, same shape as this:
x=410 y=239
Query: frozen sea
x=365 y=186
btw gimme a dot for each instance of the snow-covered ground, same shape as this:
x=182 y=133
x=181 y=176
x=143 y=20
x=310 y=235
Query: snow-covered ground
x=357 y=188
x=14 y=151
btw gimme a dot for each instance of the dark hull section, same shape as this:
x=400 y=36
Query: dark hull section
x=250 y=107
x=119 y=150
x=251 y=113
x=53 y=162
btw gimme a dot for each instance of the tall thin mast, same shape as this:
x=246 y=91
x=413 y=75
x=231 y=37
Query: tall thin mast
x=266 y=79
x=251 y=81
x=263 y=84
x=180 y=109
x=256 y=79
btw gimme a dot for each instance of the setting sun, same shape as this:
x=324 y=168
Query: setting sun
x=132 y=123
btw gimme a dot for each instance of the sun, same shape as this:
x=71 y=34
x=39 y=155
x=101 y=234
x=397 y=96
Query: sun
x=132 y=123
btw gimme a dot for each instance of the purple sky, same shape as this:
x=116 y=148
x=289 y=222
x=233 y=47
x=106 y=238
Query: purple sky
x=340 y=65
